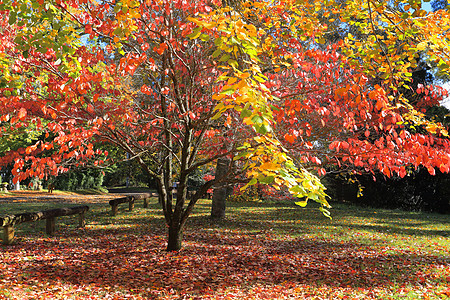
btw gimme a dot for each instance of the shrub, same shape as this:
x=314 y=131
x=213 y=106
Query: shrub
x=78 y=180
x=417 y=192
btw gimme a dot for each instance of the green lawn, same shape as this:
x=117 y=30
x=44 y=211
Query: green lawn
x=261 y=251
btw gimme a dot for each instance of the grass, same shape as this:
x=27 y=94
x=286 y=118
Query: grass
x=260 y=251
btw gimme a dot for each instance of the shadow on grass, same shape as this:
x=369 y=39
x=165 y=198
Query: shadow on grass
x=291 y=217
x=252 y=247
x=137 y=262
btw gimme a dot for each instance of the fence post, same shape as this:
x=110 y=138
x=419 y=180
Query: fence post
x=50 y=226
x=145 y=202
x=131 y=204
x=8 y=235
x=82 y=220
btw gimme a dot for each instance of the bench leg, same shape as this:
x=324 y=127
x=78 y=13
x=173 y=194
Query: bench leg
x=145 y=202
x=82 y=220
x=8 y=235
x=131 y=205
x=114 y=209
x=50 y=226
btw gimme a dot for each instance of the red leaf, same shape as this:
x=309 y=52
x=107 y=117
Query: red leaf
x=90 y=108
x=88 y=29
x=160 y=50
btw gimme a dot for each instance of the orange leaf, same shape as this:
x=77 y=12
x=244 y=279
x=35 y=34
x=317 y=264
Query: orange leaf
x=22 y=113
x=160 y=50
x=290 y=138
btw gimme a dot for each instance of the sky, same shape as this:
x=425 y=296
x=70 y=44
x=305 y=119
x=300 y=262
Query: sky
x=446 y=101
x=426 y=6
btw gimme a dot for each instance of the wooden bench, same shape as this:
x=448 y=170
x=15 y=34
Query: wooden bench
x=130 y=199
x=8 y=222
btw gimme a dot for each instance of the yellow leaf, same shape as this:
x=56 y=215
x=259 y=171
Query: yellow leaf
x=270 y=166
x=302 y=203
x=422 y=46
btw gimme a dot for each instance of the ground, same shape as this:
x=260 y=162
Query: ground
x=270 y=250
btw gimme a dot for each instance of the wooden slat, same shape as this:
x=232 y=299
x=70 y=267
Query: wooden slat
x=130 y=199
x=118 y=201
x=12 y=220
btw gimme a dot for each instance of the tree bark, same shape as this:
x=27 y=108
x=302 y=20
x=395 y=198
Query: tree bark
x=221 y=192
x=175 y=238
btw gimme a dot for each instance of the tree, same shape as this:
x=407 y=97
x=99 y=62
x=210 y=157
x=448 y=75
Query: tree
x=220 y=193
x=171 y=82
x=439 y=4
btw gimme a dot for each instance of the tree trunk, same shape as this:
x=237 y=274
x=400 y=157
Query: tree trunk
x=221 y=192
x=175 y=238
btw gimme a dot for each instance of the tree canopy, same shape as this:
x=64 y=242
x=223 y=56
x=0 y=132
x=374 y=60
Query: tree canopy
x=180 y=84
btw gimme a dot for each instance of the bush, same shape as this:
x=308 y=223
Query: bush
x=117 y=175
x=78 y=180
x=417 y=192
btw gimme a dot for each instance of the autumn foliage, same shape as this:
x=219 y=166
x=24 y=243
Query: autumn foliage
x=180 y=84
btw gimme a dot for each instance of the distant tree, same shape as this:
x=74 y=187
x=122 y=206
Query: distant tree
x=439 y=4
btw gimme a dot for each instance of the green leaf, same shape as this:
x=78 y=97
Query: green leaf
x=240 y=155
x=263 y=129
x=267 y=179
x=296 y=190
x=118 y=31
x=195 y=33
x=245 y=113
x=228 y=91
x=325 y=212
x=224 y=57
x=204 y=37
x=233 y=63
x=12 y=18
x=313 y=196
x=253 y=181
x=217 y=115
x=216 y=53
x=257 y=119
x=218 y=41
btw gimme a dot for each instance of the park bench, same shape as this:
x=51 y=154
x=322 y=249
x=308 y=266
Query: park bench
x=8 y=222
x=130 y=199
